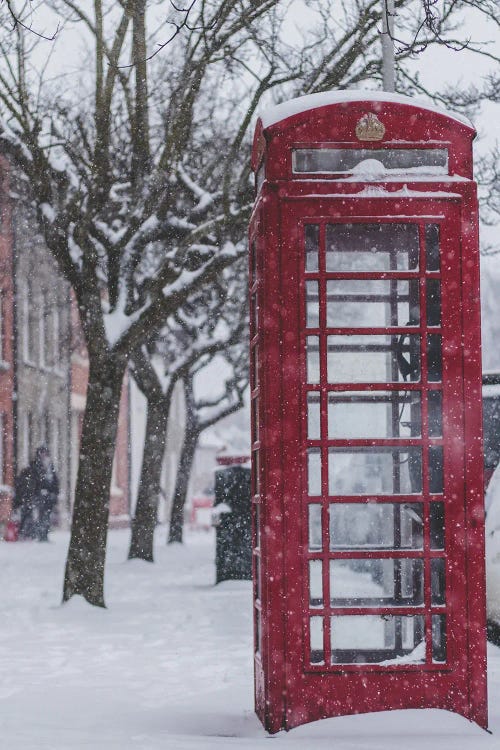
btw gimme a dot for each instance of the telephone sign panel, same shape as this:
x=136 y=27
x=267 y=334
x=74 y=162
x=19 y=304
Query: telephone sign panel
x=367 y=483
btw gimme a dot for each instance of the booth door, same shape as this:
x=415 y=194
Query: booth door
x=373 y=461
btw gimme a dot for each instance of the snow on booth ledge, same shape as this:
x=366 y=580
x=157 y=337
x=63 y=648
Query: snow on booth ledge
x=272 y=115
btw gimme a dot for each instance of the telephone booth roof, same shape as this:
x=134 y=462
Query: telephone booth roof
x=331 y=120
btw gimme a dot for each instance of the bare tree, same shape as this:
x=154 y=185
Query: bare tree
x=200 y=415
x=102 y=162
x=101 y=184
x=211 y=323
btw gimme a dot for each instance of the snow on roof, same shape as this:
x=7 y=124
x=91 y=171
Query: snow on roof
x=278 y=112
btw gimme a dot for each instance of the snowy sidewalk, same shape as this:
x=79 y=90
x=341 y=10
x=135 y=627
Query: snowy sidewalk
x=168 y=666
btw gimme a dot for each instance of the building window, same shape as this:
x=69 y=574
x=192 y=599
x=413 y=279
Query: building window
x=28 y=438
x=42 y=333
x=1 y=326
x=29 y=323
x=56 y=336
x=2 y=447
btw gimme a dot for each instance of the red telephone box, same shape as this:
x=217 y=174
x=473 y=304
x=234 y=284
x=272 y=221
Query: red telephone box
x=366 y=411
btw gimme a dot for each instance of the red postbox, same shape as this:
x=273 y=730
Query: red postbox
x=366 y=411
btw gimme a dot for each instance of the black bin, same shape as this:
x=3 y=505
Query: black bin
x=233 y=524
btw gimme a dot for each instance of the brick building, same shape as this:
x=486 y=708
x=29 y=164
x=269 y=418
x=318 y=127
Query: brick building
x=7 y=381
x=43 y=363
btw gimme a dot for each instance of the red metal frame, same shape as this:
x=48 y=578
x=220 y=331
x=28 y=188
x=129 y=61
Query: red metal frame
x=289 y=689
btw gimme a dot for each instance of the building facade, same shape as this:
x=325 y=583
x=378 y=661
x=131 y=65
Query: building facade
x=43 y=341
x=43 y=364
x=7 y=382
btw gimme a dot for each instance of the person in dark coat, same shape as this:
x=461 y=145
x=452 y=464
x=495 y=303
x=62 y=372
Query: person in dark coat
x=45 y=489
x=23 y=504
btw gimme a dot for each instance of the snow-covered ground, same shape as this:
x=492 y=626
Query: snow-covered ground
x=167 y=666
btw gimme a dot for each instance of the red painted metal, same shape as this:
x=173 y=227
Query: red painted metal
x=294 y=682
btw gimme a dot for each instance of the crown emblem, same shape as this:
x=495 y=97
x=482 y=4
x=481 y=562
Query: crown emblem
x=369 y=128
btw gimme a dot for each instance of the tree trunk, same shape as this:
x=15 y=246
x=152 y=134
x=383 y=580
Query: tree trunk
x=84 y=573
x=144 y=522
x=181 y=485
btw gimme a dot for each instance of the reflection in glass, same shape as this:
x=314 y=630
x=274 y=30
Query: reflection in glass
x=312 y=354
x=258 y=632
x=377 y=414
x=436 y=469
x=365 y=358
x=377 y=639
x=312 y=247
x=438 y=638
x=438 y=581
x=255 y=311
x=383 y=582
x=432 y=247
x=313 y=416
x=433 y=294
x=315 y=583
x=437 y=525
x=434 y=358
x=256 y=472
x=312 y=304
x=341 y=160
x=257 y=524
x=315 y=527
x=314 y=471
x=376 y=526
x=255 y=366
x=372 y=303
x=374 y=471
x=435 y=416
x=316 y=640
x=372 y=247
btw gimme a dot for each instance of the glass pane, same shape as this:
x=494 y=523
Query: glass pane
x=377 y=639
x=433 y=293
x=372 y=303
x=312 y=351
x=377 y=582
x=312 y=247
x=315 y=528
x=255 y=367
x=256 y=472
x=435 y=416
x=436 y=469
x=438 y=581
x=373 y=358
x=411 y=161
x=437 y=525
x=376 y=526
x=377 y=414
x=315 y=583
x=432 y=247
x=255 y=314
x=253 y=262
x=434 y=358
x=255 y=419
x=314 y=471
x=312 y=304
x=438 y=638
x=372 y=247
x=313 y=416
x=258 y=632
x=374 y=471
x=316 y=638
x=257 y=523
x=257 y=577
